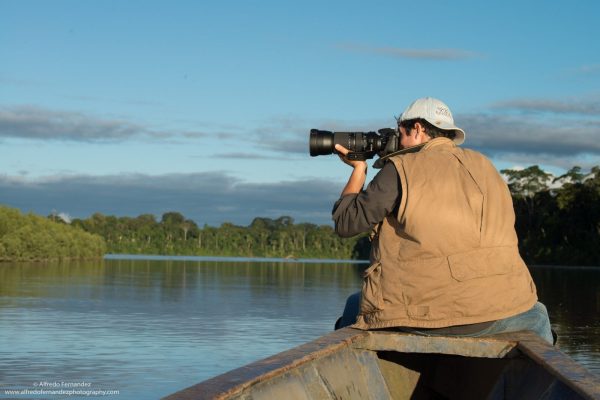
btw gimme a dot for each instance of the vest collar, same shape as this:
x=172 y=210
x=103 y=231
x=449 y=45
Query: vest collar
x=438 y=141
x=435 y=142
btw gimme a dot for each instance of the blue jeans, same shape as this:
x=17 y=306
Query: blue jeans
x=535 y=319
x=350 y=313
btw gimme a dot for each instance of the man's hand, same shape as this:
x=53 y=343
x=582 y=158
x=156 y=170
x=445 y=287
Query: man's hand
x=343 y=152
x=359 y=172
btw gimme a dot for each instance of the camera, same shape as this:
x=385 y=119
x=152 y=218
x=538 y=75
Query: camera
x=362 y=145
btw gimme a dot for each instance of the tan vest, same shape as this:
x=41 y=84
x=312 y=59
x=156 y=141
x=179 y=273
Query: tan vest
x=449 y=257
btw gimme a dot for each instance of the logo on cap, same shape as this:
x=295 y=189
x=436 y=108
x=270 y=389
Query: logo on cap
x=443 y=111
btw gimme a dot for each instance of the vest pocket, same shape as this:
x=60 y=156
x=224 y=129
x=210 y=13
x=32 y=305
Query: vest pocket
x=371 y=297
x=481 y=263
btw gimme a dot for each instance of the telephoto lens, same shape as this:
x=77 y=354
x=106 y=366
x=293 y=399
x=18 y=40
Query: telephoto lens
x=362 y=144
x=321 y=143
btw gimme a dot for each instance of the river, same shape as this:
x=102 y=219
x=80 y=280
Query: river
x=143 y=328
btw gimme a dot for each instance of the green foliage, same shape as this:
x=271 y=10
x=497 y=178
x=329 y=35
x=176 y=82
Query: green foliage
x=32 y=237
x=560 y=226
x=264 y=237
x=527 y=182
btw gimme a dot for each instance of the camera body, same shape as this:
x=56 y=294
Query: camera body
x=362 y=145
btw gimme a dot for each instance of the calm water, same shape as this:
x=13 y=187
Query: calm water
x=147 y=328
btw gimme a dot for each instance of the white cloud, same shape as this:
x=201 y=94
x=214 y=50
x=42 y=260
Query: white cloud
x=509 y=134
x=583 y=107
x=415 y=54
x=588 y=69
x=37 y=123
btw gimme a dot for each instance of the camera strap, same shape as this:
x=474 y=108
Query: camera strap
x=411 y=149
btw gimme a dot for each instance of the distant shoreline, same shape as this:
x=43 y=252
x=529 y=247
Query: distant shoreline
x=285 y=260
x=231 y=259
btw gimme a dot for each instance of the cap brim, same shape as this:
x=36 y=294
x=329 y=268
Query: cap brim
x=460 y=134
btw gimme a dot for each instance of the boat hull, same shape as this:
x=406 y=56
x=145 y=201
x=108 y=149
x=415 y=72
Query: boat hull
x=355 y=364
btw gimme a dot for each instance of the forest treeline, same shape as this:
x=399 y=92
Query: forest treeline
x=558 y=223
x=29 y=237
x=557 y=218
x=173 y=234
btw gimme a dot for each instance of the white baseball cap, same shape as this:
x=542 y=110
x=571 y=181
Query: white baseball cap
x=436 y=113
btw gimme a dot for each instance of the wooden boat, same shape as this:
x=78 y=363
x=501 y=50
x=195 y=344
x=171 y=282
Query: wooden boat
x=354 y=364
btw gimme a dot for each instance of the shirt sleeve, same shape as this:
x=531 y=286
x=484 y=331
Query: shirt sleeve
x=359 y=212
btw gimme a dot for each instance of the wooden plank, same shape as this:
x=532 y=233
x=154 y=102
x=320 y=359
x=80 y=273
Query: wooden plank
x=488 y=347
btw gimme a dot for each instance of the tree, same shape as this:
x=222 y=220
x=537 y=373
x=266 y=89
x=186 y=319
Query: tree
x=524 y=185
x=572 y=176
x=527 y=182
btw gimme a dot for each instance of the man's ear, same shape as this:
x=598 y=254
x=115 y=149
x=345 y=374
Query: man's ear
x=421 y=132
x=420 y=129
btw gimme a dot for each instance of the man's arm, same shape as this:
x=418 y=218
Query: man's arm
x=359 y=172
x=359 y=210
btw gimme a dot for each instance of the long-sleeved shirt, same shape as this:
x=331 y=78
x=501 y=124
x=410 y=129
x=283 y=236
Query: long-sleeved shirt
x=359 y=212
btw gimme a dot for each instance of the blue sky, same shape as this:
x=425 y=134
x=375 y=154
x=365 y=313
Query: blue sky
x=204 y=107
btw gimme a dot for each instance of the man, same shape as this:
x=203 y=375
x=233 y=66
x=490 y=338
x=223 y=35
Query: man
x=444 y=257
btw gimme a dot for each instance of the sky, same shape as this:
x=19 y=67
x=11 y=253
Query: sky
x=205 y=107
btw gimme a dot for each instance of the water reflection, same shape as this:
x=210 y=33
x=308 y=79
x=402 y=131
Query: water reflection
x=150 y=327
x=572 y=296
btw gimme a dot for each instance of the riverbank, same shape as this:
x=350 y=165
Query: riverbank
x=29 y=237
